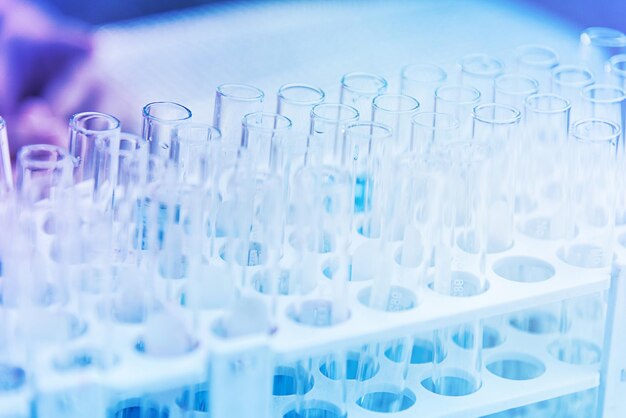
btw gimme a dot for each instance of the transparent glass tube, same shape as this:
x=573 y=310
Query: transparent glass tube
x=537 y=62
x=232 y=103
x=295 y=101
x=498 y=126
x=359 y=89
x=6 y=172
x=396 y=111
x=430 y=130
x=540 y=202
x=263 y=134
x=159 y=122
x=458 y=101
x=597 y=45
x=194 y=150
x=328 y=123
x=420 y=81
x=617 y=68
x=480 y=71
x=592 y=167
x=41 y=170
x=568 y=81
x=513 y=89
x=85 y=130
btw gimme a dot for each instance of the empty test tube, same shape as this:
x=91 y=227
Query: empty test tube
x=159 y=121
x=431 y=129
x=295 y=102
x=458 y=101
x=195 y=151
x=328 y=124
x=6 y=173
x=597 y=45
x=617 y=70
x=232 y=102
x=568 y=81
x=359 y=89
x=262 y=136
x=480 y=71
x=537 y=62
x=420 y=81
x=395 y=111
x=513 y=89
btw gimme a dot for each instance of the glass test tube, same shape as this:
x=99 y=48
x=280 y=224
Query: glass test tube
x=537 y=62
x=431 y=130
x=262 y=136
x=232 y=102
x=617 y=69
x=480 y=71
x=328 y=123
x=513 y=89
x=458 y=101
x=6 y=172
x=498 y=126
x=597 y=45
x=395 y=111
x=159 y=121
x=568 y=81
x=295 y=101
x=359 y=89
x=420 y=81
x=541 y=200
x=592 y=168
x=194 y=151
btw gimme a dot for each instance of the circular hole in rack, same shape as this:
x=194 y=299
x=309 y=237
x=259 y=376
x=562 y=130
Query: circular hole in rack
x=583 y=255
x=196 y=401
x=285 y=285
x=387 y=400
x=523 y=269
x=315 y=409
x=453 y=382
x=11 y=377
x=359 y=367
x=136 y=408
x=575 y=351
x=291 y=380
x=398 y=300
x=315 y=313
x=535 y=322
x=516 y=367
x=464 y=337
x=544 y=228
x=462 y=284
x=422 y=352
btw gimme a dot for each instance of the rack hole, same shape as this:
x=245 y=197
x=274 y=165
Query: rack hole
x=517 y=367
x=452 y=383
x=359 y=367
x=316 y=409
x=316 y=313
x=422 y=352
x=575 y=351
x=387 y=400
x=584 y=255
x=464 y=337
x=523 y=269
x=398 y=299
x=291 y=380
x=461 y=284
x=11 y=377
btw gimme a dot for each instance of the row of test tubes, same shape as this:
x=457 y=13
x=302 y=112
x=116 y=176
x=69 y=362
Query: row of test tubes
x=122 y=245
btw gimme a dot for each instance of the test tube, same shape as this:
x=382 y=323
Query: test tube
x=359 y=89
x=597 y=45
x=328 y=123
x=592 y=173
x=431 y=129
x=480 y=71
x=396 y=111
x=159 y=121
x=458 y=101
x=85 y=130
x=568 y=81
x=40 y=171
x=617 y=69
x=498 y=127
x=262 y=136
x=232 y=102
x=295 y=101
x=6 y=172
x=537 y=62
x=420 y=81
x=513 y=89
x=540 y=201
x=195 y=151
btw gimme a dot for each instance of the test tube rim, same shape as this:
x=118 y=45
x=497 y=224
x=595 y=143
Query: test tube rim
x=450 y=127
x=413 y=100
x=527 y=92
x=62 y=155
x=548 y=63
x=350 y=129
x=315 y=114
x=380 y=79
x=260 y=95
x=515 y=118
x=76 y=118
x=619 y=58
x=276 y=116
x=443 y=75
x=567 y=104
x=288 y=86
x=148 y=115
x=562 y=68
x=207 y=126
x=459 y=87
x=595 y=139
x=498 y=69
x=584 y=92
x=603 y=36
